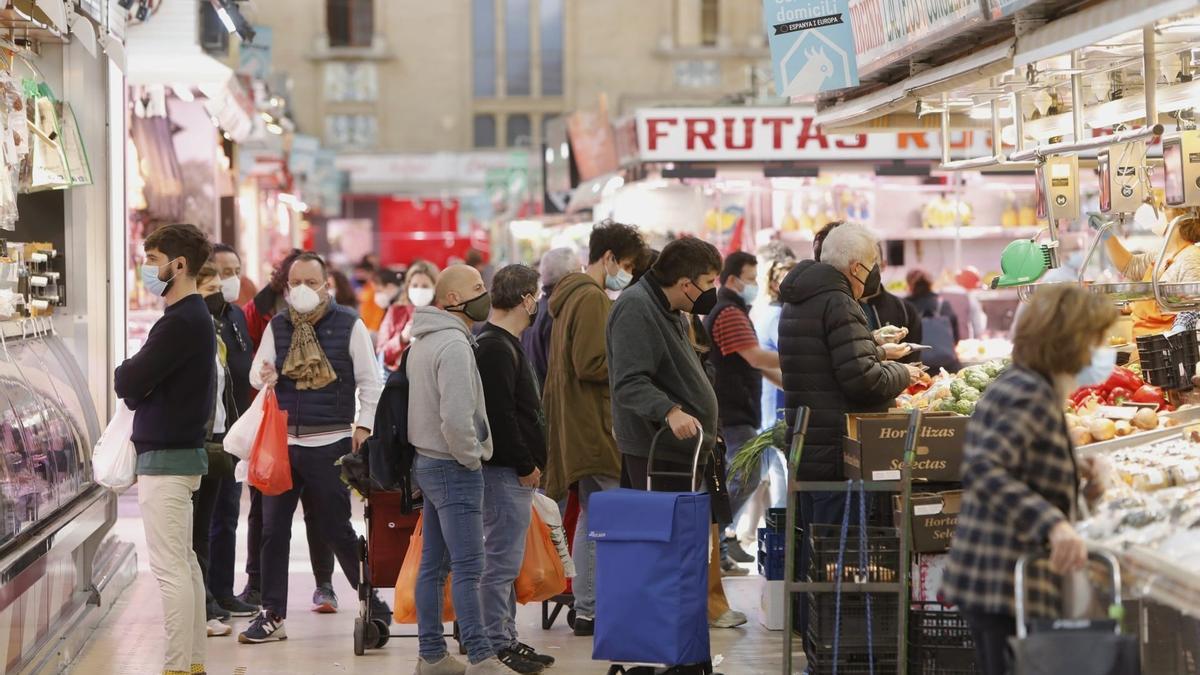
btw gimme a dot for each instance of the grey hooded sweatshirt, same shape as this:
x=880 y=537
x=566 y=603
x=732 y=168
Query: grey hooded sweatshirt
x=447 y=418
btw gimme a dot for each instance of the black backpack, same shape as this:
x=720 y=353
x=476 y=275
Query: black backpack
x=938 y=332
x=389 y=454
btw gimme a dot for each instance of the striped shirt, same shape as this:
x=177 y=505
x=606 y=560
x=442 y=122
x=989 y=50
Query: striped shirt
x=733 y=332
x=1019 y=481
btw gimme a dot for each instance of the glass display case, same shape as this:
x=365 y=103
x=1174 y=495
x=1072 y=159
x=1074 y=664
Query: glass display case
x=47 y=427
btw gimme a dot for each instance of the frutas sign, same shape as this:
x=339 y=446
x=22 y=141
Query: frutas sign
x=779 y=134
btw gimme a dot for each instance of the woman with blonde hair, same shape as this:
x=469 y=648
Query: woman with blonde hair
x=394 y=333
x=1021 y=480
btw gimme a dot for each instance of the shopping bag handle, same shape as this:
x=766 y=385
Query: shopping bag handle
x=651 y=473
x=1105 y=557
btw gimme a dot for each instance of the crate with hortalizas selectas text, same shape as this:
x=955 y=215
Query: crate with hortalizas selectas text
x=873 y=448
x=934 y=519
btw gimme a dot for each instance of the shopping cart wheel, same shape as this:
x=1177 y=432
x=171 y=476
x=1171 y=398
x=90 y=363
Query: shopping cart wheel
x=360 y=646
x=571 y=619
x=371 y=635
x=381 y=629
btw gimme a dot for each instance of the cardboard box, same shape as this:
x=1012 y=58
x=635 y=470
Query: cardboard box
x=874 y=446
x=934 y=519
x=771 y=605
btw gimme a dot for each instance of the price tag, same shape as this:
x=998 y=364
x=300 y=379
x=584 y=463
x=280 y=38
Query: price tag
x=927 y=510
x=885 y=475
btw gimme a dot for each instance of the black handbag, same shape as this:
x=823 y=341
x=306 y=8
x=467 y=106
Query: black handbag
x=1073 y=646
x=714 y=476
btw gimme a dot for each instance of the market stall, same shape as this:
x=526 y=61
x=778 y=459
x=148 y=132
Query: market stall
x=1098 y=92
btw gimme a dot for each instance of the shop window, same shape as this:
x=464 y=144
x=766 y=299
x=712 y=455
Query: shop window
x=517 y=41
x=485 y=131
x=352 y=131
x=710 y=22
x=518 y=133
x=551 y=27
x=483 y=40
x=351 y=82
x=350 y=23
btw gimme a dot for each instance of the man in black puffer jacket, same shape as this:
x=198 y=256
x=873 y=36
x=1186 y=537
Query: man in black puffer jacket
x=829 y=360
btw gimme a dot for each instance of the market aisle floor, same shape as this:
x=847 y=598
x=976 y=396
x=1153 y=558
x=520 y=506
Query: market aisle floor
x=129 y=641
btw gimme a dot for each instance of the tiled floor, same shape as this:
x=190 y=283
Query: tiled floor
x=129 y=640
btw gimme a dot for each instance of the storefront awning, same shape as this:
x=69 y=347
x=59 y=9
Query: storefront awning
x=1094 y=24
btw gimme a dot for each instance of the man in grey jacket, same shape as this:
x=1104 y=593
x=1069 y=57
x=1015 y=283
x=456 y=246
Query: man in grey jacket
x=658 y=380
x=447 y=423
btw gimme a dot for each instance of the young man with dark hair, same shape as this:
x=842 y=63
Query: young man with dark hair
x=514 y=410
x=171 y=386
x=577 y=400
x=740 y=363
x=320 y=359
x=657 y=380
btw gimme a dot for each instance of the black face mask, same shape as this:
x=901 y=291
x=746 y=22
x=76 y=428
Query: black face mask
x=216 y=304
x=476 y=309
x=873 y=284
x=704 y=303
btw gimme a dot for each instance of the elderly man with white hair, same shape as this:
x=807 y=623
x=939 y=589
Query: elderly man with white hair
x=556 y=264
x=831 y=363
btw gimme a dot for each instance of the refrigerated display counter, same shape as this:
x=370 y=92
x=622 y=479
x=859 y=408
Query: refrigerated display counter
x=54 y=560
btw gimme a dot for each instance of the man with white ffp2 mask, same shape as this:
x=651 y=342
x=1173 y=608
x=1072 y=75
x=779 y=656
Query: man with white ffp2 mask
x=319 y=358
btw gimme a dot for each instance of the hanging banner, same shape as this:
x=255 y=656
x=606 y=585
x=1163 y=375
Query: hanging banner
x=254 y=58
x=812 y=45
x=886 y=31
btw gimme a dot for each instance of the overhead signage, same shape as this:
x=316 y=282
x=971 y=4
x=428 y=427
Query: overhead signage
x=1003 y=8
x=888 y=30
x=254 y=58
x=779 y=135
x=812 y=45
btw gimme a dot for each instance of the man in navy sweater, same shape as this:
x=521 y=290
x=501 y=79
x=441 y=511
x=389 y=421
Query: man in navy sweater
x=170 y=385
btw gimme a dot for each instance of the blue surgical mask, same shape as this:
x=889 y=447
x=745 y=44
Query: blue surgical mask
x=1104 y=360
x=749 y=293
x=618 y=281
x=151 y=281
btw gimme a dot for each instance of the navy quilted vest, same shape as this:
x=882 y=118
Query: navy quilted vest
x=335 y=404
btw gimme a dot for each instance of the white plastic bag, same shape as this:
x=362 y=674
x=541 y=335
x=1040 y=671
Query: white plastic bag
x=548 y=510
x=239 y=440
x=114 y=459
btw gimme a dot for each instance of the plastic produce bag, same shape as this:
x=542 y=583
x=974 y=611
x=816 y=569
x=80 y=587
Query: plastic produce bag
x=548 y=510
x=114 y=460
x=541 y=576
x=270 y=466
x=239 y=439
x=404 y=608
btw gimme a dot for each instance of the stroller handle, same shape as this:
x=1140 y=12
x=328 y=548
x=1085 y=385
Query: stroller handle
x=1105 y=557
x=651 y=473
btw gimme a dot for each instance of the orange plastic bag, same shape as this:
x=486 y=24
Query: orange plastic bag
x=542 y=576
x=270 y=467
x=404 y=608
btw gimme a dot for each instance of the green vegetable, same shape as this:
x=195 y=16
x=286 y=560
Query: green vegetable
x=748 y=460
x=964 y=407
x=978 y=379
x=993 y=368
x=956 y=388
x=970 y=394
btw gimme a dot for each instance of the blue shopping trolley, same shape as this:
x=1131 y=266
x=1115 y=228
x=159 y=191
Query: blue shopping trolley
x=652 y=553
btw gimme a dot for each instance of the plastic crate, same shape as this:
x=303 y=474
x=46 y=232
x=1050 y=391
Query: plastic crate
x=771 y=552
x=822 y=623
x=883 y=554
x=776 y=519
x=854 y=661
x=939 y=641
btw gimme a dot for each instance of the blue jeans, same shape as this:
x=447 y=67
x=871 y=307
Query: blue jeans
x=506 y=514
x=584 y=585
x=453 y=534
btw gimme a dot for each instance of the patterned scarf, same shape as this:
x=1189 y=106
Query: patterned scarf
x=306 y=362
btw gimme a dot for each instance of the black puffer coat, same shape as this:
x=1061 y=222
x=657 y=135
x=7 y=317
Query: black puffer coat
x=830 y=363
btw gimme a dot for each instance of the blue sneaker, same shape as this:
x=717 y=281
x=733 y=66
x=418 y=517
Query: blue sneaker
x=266 y=627
x=325 y=600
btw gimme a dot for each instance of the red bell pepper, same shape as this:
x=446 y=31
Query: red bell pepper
x=1123 y=377
x=1119 y=395
x=1083 y=393
x=1149 y=394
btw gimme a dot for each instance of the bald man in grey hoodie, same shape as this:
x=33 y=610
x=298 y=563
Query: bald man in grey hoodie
x=447 y=423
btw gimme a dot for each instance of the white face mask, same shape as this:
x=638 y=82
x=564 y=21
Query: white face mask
x=231 y=288
x=303 y=299
x=420 y=297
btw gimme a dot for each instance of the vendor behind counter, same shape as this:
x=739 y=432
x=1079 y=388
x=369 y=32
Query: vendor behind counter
x=1181 y=266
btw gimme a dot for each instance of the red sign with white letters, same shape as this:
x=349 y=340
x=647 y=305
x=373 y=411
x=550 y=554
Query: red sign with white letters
x=780 y=134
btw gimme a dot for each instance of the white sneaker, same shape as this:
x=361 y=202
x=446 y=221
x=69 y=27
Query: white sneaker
x=492 y=666
x=447 y=666
x=218 y=629
x=730 y=619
